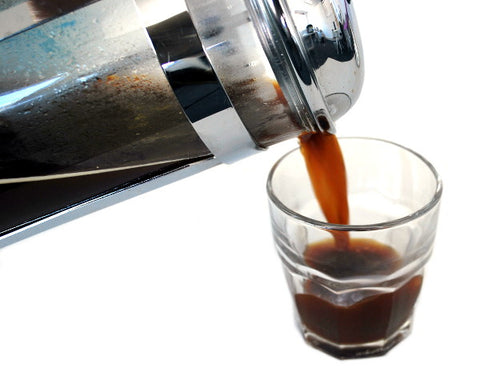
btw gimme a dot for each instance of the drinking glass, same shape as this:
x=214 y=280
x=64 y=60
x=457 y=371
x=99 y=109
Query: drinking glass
x=357 y=301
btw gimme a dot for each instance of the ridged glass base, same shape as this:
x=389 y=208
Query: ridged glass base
x=349 y=351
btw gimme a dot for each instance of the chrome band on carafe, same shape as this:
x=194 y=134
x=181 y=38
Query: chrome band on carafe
x=197 y=87
x=230 y=40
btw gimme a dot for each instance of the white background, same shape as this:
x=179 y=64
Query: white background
x=186 y=278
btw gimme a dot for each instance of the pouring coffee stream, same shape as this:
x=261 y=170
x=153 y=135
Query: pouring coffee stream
x=326 y=168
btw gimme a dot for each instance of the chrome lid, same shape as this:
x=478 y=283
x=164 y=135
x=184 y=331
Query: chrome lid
x=315 y=51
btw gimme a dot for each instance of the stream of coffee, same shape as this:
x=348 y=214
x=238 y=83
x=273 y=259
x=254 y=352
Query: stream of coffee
x=326 y=168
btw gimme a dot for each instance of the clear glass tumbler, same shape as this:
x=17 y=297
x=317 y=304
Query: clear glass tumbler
x=357 y=301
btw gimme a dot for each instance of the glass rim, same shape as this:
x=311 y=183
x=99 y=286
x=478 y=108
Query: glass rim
x=362 y=227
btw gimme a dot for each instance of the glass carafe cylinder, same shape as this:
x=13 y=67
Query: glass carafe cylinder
x=98 y=97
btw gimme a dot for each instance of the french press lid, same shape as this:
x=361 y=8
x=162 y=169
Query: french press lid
x=314 y=48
